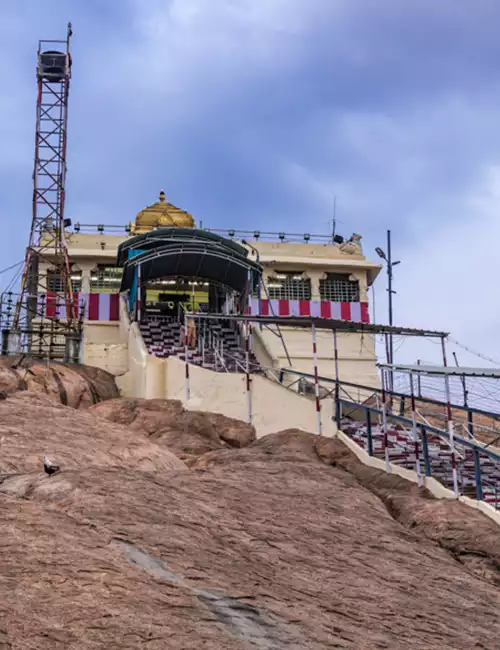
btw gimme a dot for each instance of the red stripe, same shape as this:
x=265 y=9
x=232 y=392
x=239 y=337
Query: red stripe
x=93 y=306
x=247 y=310
x=50 y=304
x=305 y=307
x=264 y=307
x=114 y=306
x=283 y=308
x=365 y=315
x=326 y=309
x=345 y=311
x=76 y=311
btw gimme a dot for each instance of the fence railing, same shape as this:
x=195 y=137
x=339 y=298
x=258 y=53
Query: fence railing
x=477 y=463
x=231 y=233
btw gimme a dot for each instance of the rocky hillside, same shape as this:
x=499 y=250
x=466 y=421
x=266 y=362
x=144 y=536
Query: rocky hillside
x=173 y=529
x=68 y=384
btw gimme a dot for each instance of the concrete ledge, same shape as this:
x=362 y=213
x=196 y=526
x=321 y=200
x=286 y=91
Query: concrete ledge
x=435 y=487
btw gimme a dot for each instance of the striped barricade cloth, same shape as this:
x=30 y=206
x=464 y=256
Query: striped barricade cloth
x=97 y=306
x=349 y=311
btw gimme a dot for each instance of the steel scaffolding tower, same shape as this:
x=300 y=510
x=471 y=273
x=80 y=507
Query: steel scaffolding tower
x=37 y=326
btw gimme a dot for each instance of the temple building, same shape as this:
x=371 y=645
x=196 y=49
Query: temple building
x=160 y=266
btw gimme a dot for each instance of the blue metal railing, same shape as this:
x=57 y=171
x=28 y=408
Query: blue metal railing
x=481 y=453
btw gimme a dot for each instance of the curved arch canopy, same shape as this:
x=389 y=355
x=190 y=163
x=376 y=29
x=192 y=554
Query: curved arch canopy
x=186 y=252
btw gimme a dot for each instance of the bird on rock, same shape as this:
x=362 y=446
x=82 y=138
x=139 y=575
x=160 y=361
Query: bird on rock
x=49 y=467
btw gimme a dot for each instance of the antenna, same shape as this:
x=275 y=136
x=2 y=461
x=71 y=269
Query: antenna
x=334 y=220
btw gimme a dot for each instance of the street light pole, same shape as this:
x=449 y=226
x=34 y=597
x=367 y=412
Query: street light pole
x=389 y=287
x=390 y=264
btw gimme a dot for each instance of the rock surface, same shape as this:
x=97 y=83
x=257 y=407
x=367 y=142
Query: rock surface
x=186 y=433
x=69 y=384
x=289 y=543
x=32 y=426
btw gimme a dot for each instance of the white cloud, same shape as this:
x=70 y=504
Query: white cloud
x=447 y=280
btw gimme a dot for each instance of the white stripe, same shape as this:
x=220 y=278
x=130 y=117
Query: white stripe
x=274 y=308
x=294 y=307
x=356 y=312
x=254 y=306
x=315 y=308
x=42 y=304
x=83 y=298
x=60 y=308
x=104 y=306
x=336 y=310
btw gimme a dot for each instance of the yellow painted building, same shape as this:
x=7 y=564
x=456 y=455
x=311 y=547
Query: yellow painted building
x=296 y=271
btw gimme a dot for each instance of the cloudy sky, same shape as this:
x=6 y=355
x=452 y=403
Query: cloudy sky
x=255 y=113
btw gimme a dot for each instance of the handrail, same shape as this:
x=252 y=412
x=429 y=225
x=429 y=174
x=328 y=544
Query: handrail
x=431 y=428
x=238 y=234
x=374 y=389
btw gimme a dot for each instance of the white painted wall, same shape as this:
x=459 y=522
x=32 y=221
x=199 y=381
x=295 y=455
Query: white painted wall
x=274 y=408
x=357 y=359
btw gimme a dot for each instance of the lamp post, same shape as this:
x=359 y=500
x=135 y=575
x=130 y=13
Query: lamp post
x=257 y=259
x=389 y=264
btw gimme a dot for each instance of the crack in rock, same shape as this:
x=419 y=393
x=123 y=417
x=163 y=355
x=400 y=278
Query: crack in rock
x=245 y=622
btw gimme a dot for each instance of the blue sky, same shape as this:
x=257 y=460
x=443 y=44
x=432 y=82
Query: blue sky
x=257 y=112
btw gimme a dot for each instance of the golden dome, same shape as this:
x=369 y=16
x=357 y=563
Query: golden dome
x=161 y=215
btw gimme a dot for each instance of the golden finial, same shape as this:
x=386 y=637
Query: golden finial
x=162 y=196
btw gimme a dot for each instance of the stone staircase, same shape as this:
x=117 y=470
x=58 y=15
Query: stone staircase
x=401 y=448
x=218 y=345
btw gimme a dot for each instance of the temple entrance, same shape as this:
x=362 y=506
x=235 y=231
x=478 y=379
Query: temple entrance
x=171 y=275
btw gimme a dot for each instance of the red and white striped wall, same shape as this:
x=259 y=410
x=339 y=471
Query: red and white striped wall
x=97 y=306
x=106 y=307
x=352 y=311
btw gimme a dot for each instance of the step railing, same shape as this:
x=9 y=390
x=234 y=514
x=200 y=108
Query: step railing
x=360 y=399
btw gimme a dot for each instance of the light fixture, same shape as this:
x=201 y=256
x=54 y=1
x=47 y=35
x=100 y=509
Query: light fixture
x=338 y=239
x=380 y=253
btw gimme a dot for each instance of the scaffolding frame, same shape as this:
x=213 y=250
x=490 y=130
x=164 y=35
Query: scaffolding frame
x=29 y=328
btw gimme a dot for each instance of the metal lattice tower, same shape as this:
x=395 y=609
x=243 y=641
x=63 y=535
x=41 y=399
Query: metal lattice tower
x=47 y=267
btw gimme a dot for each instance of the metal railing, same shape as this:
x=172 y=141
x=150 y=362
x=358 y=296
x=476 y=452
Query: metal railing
x=478 y=463
x=229 y=233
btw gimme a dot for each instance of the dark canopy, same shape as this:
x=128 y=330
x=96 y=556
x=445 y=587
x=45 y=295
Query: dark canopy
x=186 y=252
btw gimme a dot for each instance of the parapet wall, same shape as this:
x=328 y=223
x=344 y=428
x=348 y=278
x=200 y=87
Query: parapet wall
x=272 y=407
